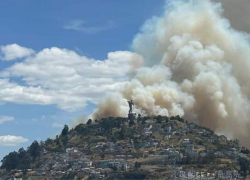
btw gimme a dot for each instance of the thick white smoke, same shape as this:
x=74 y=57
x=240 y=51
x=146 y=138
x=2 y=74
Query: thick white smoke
x=238 y=12
x=196 y=66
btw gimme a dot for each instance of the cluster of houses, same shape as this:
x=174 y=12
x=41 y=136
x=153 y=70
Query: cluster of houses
x=194 y=175
x=163 y=154
x=118 y=164
x=166 y=145
x=75 y=161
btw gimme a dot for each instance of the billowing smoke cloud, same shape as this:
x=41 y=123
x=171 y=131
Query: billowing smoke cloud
x=82 y=119
x=237 y=11
x=196 y=66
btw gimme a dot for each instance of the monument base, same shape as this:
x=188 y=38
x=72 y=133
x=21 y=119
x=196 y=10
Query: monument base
x=131 y=116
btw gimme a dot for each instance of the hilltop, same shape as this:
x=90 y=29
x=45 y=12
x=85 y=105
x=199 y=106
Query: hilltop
x=117 y=148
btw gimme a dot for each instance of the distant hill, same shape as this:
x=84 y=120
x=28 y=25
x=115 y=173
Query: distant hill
x=118 y=148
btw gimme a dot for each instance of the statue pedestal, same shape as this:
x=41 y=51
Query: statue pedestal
x=131 y=116
x=131 y=119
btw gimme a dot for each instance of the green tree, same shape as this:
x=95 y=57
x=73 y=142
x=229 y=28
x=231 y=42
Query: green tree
x=34 y=149
x=188 y=159
x=89 y=122
x=102 y=156
x=166 y=119
x=172 y=118
x=114 y=168
x=121 y=133
x=143 y=121
x=21 y=153
x=137 y=165
x=244 y=166
x=178 y=118
x=200 y=143
x=23 y=159
x=131 y=122
x=245 y=151
x=10 y=161
x=158 y=119
x=211 y=157
x=42 y=144
x=65 y=140
x=139 y=118
x=118 y=123
x=65 y=130
x=48 y=142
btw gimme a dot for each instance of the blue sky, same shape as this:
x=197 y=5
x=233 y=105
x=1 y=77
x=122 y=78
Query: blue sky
x=35 y=100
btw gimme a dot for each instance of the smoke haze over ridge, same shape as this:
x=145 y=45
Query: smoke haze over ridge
x=195 y=65
x=237 y=11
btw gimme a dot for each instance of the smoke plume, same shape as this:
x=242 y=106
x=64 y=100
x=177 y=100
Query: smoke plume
x=237 y=11
x=196 y=66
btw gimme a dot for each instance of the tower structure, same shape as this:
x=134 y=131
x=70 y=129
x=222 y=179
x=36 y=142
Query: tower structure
x=131 y=115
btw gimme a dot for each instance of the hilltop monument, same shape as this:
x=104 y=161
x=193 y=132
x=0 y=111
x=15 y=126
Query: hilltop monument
x=131 y=115
x=131 y=104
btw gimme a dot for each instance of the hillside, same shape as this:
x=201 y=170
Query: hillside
x=116 y=148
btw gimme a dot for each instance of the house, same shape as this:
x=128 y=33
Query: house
x=76 y=166
x=219 y=154
x=120 y=156
x=69 y=150
x=167 y=137
x=185 y=127
x=192 y=125
x=227 y=174
x=210 y=139
x=145 y=153
x=168 y=129
x=85 y=162
x=102 y=164
x=142 y=144
x=185 y=142
x=147 y=133
x=181 y=174
x=45 y=151
x=48 y=175
x=95 y=174
x=154 y=142
x=106 y=170
x=87 y=170
x=191 y=174
x=222 y=139
x=203 y=154
x=242 y=155
x=120 y=164
x=189 y=149
x=236 y=174
x=73 y=153
x=172 y=122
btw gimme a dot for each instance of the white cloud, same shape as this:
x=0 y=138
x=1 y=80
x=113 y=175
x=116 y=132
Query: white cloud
x=57 y=125
x=14 y=51
x=79 y=25
x=10 y=140
x=35 y=120
x=63 y=77
x=4 y=119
